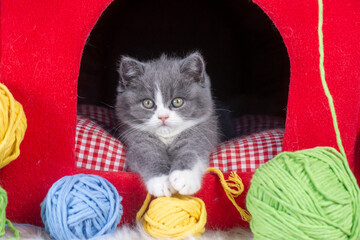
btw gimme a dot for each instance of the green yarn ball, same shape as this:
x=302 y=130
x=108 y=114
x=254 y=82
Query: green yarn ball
x=308 y=194
x=3 y=220
x=3 y=203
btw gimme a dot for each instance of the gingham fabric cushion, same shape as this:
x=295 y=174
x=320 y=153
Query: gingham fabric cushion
x=96 y=148
x=246 y=154
x=260 y=139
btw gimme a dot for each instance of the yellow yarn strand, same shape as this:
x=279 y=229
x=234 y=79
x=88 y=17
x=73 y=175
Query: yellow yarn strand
x=179 y=216
x=233 y=187
x=12 y=126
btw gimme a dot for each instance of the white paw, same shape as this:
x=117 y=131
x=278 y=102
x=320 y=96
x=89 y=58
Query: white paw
x=160 y=186
x=186 y=182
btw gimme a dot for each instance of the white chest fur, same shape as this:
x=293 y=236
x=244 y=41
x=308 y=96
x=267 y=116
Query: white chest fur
x=167 y=140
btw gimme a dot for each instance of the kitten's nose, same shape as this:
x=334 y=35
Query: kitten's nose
x=163 y=118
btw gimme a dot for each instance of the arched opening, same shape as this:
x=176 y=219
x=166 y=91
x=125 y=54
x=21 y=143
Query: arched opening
x=245 y=56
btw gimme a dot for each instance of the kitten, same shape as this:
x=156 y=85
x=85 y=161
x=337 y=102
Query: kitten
x=167 y=121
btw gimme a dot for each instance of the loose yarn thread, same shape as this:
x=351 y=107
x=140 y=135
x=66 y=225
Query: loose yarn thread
x=308 y=194
x=179 y=216
x=81 y=207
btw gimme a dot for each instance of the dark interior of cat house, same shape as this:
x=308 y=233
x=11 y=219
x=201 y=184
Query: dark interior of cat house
x=245 y=55
x=246 y=58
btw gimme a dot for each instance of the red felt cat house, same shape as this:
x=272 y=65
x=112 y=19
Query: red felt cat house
x=42 y=45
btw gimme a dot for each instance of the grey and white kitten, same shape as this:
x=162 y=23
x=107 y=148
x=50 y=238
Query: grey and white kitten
x=167 y=121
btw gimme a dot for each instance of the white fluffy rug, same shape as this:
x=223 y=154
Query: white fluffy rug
x=132 y=233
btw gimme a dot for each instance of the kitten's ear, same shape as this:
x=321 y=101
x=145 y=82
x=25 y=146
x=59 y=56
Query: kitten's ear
x=129 y=69
x=194 y=66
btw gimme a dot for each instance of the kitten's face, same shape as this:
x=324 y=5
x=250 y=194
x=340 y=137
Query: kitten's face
x=165 y=96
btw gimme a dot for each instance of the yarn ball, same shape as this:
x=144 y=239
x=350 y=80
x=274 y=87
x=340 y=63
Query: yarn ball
x=3 y=203
x=81 y=207
x=308 y=194
x=175 y=217
x=3 y=221
x=12 y=126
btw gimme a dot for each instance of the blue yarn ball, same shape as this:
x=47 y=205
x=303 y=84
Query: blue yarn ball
x=81 y=207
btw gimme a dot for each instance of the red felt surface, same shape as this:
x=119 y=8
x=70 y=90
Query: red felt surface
x=41 y=47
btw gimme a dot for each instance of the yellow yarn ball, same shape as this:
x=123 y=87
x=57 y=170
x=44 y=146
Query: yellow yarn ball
x=179 y=216
x=175 y=217
x=12 y=126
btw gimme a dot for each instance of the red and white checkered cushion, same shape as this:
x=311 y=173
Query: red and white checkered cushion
x=246 y=154
x=96 y=148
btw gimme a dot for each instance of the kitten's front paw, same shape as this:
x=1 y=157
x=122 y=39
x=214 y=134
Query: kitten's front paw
x=186 y=182
x=160 y=186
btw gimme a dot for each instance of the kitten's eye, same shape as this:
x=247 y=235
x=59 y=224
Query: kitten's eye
x=177 y=102
x=148 y=103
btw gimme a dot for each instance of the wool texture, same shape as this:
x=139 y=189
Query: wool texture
x=81 y=207
x=307 y=194
x=13 y=126
x=178 y=217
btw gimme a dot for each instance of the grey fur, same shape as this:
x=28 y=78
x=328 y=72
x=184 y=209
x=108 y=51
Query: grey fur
x=175 y=77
